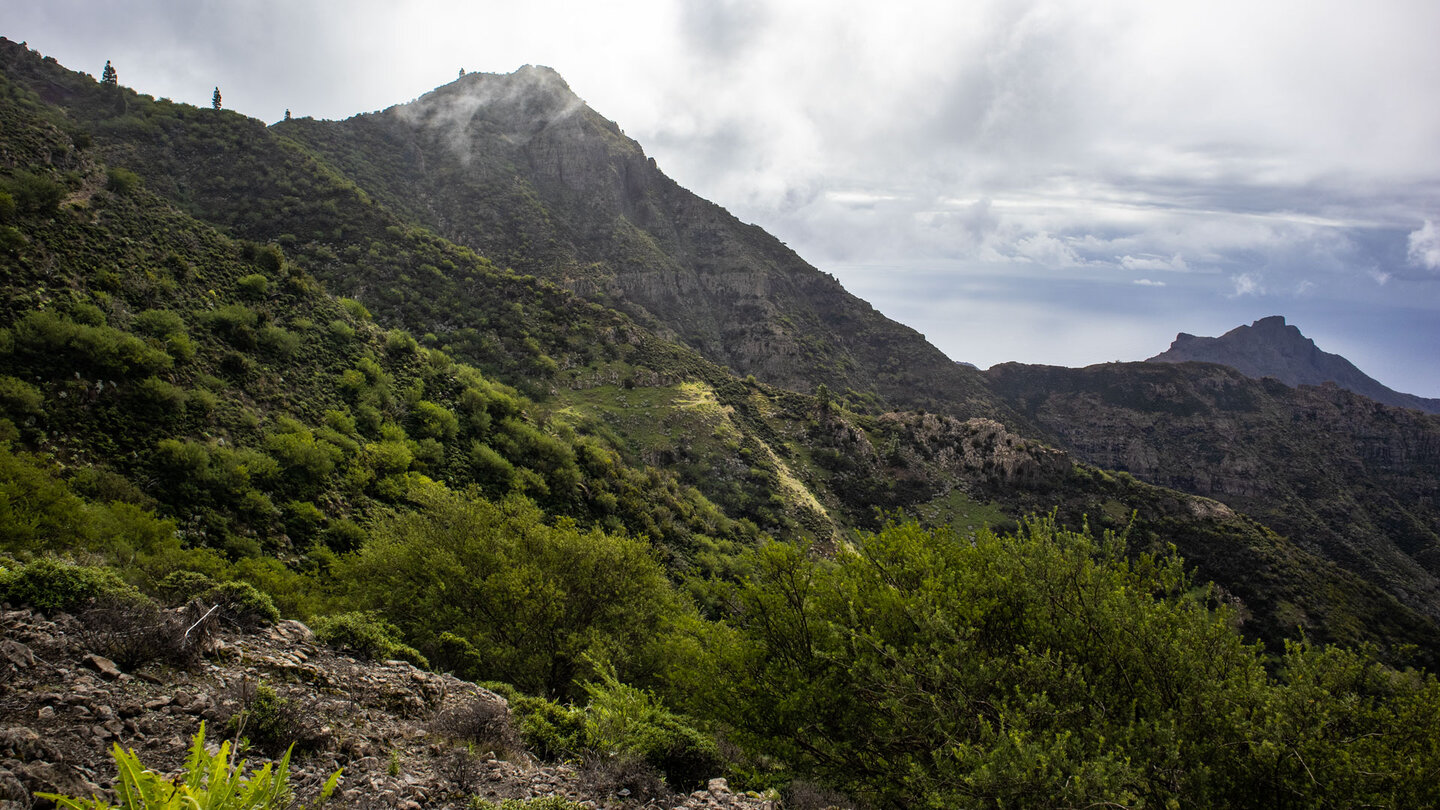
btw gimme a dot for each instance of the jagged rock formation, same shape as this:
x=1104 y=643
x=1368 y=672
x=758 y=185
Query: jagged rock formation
x=1271 y=348
x=62 y=707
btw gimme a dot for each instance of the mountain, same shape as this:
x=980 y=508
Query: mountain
x=1271 y=348
x=266 y=364
x=520 y=169
x=581 y=399
x=1335 y=472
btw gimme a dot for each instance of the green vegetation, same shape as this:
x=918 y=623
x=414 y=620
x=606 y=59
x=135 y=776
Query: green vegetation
x=257 y=380
x=1049 y=669
x=208 y=780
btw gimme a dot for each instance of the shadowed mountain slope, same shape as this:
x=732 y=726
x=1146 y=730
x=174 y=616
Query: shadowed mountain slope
x=1338 y=473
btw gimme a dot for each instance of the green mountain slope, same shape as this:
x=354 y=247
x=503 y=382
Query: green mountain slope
x=262 y=413
x=1337 y=473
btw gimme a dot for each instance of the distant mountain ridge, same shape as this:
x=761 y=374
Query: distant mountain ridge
x=1271 y=348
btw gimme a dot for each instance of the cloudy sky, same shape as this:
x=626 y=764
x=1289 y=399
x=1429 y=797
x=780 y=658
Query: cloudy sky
x=1051 y=182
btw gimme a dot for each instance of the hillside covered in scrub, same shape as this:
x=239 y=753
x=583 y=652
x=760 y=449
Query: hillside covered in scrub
x=239 y=366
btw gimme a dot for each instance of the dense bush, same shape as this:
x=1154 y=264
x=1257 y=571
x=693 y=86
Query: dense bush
x=532 y=598
x=1048 y=669
x=366 y=635
x=47 y=584
x=621 y=720
x=60 y=342
x=242 y=605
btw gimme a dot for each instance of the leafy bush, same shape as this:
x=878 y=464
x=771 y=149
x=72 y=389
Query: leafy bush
x=121 y=180
x=160 y=323
x=35 y=193
x=550 y=730
x=623 y=720
x=53 y=339
x=366 y=635
x=20 y=398
x=242 y=605
x=179 y=587
x=48 y=584
x=253 y=286
x=1046 y=669
x=266 y=720
x=532 y=598
x=160 y=398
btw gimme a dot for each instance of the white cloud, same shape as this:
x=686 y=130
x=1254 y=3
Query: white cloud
x=1045 y=249
x=1145 y=282
x=1424 y=247
x=1246 y=284
x=1175 y=263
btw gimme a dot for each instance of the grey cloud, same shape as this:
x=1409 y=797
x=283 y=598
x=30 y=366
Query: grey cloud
x=721 y=29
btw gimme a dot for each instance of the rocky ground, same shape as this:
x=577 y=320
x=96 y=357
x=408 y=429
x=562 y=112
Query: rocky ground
x=404 y=737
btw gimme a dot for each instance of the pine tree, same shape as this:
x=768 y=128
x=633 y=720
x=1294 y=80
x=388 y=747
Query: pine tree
x=287 y=113
x=215 y=99
x=108 y=77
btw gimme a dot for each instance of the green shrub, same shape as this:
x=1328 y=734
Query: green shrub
x=159 y=397
x=35 y=193
x=121 y=180
x=48 y=584
x=533 y=598
x=235 y=323
x=243 y=605
x=266 y=720
x=55 y=340
x=341 y=331
x=179 y=587
x=457 y=655
x=366 y=635
x=356 y=309
x=20 y=398
x=621 y=719
x=269 y=258
x=254 y=286
x=551 y=731
x=278 y=341
x=160 y=323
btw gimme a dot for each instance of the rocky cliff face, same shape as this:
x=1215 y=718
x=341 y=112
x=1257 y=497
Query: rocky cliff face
x=1271 y=348
x=402 y=735
x=1336 y=472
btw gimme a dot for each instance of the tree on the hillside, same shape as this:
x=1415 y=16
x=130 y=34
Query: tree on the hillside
x=108 y=77
x=462 y=72
x=287 y=113
x=215 y=99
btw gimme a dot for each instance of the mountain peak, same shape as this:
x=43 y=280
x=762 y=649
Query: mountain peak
x=1270 y=347
x=514 y=105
